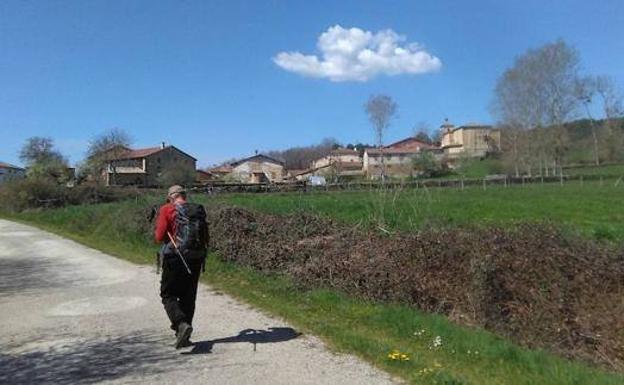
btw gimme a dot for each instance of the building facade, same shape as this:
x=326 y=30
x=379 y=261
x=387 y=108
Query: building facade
x=339 y=155
x=395 y=160
x=339 y=163
x=471 y=140
x=258 y=169
x=144 y=167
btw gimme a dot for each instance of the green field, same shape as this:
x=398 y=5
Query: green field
x=596 y=211
x=613 y=170
x=373 y=330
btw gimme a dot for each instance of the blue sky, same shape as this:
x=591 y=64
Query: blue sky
x=201 y=74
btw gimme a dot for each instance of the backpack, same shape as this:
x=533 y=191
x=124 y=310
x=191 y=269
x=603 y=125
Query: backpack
x=191 y=228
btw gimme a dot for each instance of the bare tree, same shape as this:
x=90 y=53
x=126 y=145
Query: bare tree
x=302 y=157
x=104 y=148
x=517 y=113
x=558 y=76
x=422 y=131
x=381 y=109
x=611 y=105
x=585 y=90
x=537 y=96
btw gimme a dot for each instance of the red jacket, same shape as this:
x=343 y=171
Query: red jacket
x=165 y=223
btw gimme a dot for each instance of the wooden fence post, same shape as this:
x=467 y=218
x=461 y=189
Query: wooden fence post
x=484 y=185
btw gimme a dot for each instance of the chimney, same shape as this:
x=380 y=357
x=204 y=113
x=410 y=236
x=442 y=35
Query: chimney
x=162 y=145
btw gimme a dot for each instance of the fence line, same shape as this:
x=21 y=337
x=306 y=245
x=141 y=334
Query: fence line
x=460 y=183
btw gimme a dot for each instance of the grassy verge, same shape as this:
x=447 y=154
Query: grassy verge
x=370 y=330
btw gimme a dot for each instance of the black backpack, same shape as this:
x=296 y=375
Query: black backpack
x=191 y=228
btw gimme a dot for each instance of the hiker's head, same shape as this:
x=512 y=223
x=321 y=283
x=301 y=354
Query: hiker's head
x=176 y=193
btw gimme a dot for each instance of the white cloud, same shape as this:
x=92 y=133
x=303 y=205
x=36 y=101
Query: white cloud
x=357 y=55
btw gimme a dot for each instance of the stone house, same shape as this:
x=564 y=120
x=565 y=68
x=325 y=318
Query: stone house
x=471 y=140
x=9 y=172
x=340 y=162
x=258 y=169
x=338 y=155
x=397 y=159
x=143 y=167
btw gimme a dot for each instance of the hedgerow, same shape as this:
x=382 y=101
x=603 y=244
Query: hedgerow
x=532 y=282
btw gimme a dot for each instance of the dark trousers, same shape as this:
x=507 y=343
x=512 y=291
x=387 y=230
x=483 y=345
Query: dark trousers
x=178 y=289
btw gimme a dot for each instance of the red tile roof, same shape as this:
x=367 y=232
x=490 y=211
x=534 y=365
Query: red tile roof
x=260 y=157
x=139 y=153
x=396 y=151
x=410 y=142
x=144 y=152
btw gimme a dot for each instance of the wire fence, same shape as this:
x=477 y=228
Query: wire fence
x=458 y=183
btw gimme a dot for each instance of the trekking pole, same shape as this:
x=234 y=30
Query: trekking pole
x=179 y=253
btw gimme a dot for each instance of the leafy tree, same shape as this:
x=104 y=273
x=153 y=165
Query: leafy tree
x=427 y=164
x=42 y=160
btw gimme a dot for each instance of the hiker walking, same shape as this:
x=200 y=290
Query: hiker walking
x=181 y=227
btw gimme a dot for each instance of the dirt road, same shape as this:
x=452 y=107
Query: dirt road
x=72 y=315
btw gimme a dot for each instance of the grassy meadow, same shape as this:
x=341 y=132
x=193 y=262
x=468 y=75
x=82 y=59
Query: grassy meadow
x=592 y=209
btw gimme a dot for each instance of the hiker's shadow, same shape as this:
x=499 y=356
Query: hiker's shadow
x=253 y=336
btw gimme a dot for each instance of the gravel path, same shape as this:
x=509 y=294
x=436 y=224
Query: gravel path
x=73 y=315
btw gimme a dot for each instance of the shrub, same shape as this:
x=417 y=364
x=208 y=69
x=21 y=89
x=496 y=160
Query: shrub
x=43 y=192
x=531 y=282
x=428 y=165
x=18 y=195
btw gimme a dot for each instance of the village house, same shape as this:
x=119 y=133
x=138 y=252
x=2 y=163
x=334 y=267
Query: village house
x=220 y=172
x=10 y=172
x=340 y=162
x=143 y=167
x=338 y=155
x=258 y=169
x=398 y=158
x=471 y=140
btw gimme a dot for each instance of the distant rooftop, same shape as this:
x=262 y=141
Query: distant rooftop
x=8 y=165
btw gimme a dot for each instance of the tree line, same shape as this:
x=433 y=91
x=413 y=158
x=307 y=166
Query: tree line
x=536 y=99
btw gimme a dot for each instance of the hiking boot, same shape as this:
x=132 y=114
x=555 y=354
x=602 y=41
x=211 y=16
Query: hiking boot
x=183 y=335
